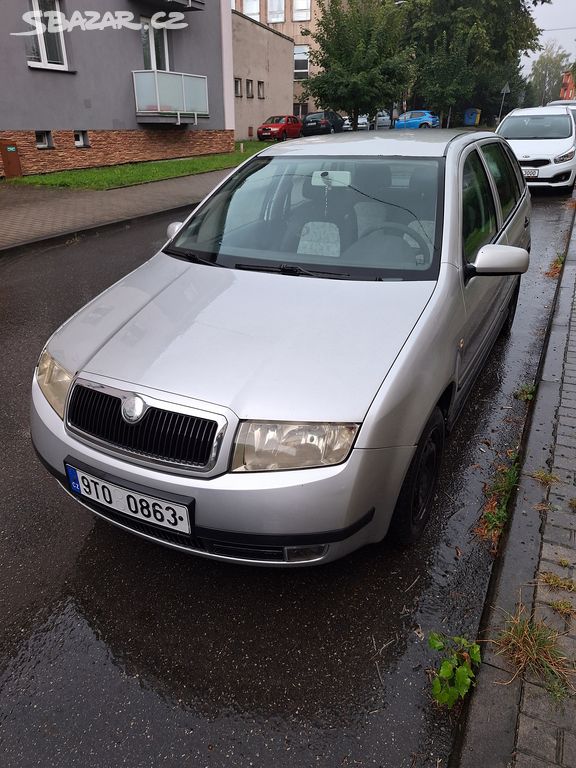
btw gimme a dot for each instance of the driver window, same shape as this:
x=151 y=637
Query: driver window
x=478 y=210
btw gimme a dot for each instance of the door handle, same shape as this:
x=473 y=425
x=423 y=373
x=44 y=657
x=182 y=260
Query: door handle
x=526 y=222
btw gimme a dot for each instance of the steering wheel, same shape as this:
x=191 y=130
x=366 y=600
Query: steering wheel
x=402 y=230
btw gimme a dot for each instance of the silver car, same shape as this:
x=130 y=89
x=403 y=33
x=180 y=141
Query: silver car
x=274 y=386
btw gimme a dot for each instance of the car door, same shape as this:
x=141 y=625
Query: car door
x=512 y=194
x=483 y=296
x=415 y=119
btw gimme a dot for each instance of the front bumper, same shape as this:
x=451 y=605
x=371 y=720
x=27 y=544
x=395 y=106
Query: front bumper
x=255 y=518
x=551 y=175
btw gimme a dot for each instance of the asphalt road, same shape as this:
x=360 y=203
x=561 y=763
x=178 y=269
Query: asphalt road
x=118 y=652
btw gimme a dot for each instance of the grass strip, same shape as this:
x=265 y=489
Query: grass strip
x=128 y=174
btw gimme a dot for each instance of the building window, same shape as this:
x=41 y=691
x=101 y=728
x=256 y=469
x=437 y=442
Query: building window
x=154 y=46
x=300 y=110
x=238 y=86
x=81 y=139
x=46 y=49
x=300 y=10
x=275 y=11
x=301 y=56
x=249 y=89
x=260 y=89
x=44 y=140
x=252 y=8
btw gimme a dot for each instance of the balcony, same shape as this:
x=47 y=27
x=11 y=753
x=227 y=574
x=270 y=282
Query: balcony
x=169 y=97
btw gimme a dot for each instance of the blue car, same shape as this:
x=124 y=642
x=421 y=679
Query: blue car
x=418 y=118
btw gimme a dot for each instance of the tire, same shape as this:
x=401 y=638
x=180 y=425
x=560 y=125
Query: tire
x=282 y=137
x=425 y=125
x=300 y=135
x=417 y=494
x=332 y=129
x=510 y=313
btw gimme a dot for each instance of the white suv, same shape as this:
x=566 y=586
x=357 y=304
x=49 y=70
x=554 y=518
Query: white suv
x=544 y=141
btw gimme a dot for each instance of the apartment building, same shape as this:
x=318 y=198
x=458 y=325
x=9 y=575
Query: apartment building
x=262 y=74
x=100 y=82
x=567 y=89
x=288 y=17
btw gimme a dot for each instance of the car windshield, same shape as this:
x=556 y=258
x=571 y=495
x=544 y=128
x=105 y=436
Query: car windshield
x=360 y=218
x=536 y=127
x=275 y=119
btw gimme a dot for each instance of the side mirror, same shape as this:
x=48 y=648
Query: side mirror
x=499 y=260
x=173 y=229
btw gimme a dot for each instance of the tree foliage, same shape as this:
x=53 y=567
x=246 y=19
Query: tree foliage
x=546 y=74
x=359 y=50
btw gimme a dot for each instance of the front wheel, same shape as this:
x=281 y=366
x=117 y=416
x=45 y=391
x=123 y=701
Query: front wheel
x=417 y=494
x=510 y=312
x=425 y=125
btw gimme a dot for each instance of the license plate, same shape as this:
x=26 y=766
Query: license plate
x=147 y=508
x=530 y=173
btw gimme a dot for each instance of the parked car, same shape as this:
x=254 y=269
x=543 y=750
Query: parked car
x=322 y=122
x=274 y=386
x=280 y=127
x=544 y=141
x=363 y=123
x=417 y=118
x=382 y=120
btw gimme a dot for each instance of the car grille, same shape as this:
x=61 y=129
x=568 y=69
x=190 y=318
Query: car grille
x=534 y=163
x=162 y=435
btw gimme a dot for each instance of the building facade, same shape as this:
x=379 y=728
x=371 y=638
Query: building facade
x=101 y=82
x=288 y=17
x=262 y=74
x=567 y=89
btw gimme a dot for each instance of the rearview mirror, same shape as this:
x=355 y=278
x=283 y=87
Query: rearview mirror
x=499 y=260
x=173 y=229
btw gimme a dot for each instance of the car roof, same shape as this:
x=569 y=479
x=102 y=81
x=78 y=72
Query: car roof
x=549 y=110
x=433 y=143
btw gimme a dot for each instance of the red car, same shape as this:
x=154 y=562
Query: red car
x=280 y=127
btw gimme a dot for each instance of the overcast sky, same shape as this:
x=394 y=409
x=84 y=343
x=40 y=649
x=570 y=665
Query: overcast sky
x=553 y=18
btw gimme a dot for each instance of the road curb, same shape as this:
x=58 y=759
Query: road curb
x=62 y=237
x=487 y=734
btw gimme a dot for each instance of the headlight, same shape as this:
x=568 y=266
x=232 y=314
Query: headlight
x=564 y=158
x=271 y=446
x=54 y=381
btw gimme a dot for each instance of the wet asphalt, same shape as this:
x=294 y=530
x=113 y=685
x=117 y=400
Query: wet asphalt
x=118 y=652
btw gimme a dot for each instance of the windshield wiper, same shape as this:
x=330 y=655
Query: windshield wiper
x=291 y=269
x=190 y=256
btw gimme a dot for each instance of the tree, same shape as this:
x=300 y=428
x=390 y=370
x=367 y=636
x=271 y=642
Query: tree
x=546 y=74
x=363 y=64
x=465 y=48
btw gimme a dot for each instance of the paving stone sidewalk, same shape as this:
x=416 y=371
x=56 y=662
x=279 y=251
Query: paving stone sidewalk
x=28 y=214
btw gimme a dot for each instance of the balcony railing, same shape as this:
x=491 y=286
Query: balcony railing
x=172 y=97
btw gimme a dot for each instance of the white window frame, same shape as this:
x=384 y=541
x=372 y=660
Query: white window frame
x=82 y=140
x=300 y=49
x=261 y=89
x=151 y=34
x=302 y=13
x=45 y=142
x=44 y=63
x=255 y=15
x=276 y=11
x=238 y=87
x=249 y=89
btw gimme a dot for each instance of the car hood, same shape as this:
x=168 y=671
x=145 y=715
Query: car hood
x=267 y=346
x=525 y=149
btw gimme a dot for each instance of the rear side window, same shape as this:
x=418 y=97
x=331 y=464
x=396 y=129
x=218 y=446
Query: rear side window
x=504 y=176
x=479 y=224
